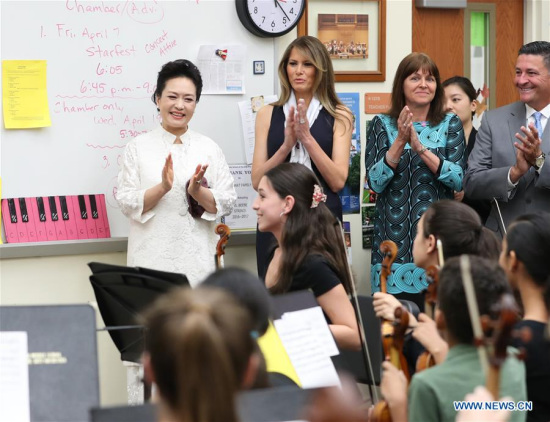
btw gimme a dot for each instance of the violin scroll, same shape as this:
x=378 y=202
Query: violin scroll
x=225 y=232
x=389 y=252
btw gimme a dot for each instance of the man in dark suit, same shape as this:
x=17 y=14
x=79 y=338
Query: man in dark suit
x=509 y=162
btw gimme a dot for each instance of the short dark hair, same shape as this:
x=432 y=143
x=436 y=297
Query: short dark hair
x=464 y=84
x=181 y=68
x=537 y=48
x=490 y=284
x=248 y=289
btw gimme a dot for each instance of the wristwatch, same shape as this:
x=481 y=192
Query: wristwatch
x=539 y=161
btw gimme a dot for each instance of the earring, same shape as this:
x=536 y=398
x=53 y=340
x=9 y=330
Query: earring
x=282 y=213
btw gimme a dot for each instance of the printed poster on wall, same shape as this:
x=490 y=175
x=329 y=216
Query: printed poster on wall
x=243 y=216
x=350 y=194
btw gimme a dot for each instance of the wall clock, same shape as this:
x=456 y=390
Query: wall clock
x=270 y=18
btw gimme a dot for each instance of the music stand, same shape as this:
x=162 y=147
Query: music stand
x=121 y=294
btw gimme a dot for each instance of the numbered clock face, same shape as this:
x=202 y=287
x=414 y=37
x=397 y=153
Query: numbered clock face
x=270 y=18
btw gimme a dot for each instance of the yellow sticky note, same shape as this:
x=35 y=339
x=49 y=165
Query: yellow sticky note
x=276 y=358
x=24 y=94
x=1 y=208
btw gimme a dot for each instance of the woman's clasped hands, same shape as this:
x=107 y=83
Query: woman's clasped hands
x=297 y=125
x=406 y=133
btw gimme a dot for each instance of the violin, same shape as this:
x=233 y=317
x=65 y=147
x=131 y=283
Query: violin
x=491 y=336
x=497 y=338
x=225 y=232
x=391 y=347
x=381 y=411
x=393 y=333
x=426 y=359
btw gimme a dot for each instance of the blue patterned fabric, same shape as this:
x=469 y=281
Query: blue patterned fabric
x=404 y=194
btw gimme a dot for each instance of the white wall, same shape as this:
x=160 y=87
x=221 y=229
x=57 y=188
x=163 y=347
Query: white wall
x=64 y=279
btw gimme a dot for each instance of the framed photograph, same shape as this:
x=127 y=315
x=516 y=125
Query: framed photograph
x=354 y=34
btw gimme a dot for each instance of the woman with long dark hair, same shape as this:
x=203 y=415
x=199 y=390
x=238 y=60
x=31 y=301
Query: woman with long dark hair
x=310 y=252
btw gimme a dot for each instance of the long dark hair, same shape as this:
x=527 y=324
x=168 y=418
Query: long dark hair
x=307 y=230
x=200 y=345
x=529 y=237
x=408 y=66
x=460 y=230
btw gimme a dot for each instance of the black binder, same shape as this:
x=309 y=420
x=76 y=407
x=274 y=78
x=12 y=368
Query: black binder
x=65 y=389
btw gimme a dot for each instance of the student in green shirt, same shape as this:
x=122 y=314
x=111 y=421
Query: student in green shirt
x=432 y=393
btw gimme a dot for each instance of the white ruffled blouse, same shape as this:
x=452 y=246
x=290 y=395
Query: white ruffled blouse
x=167 y=238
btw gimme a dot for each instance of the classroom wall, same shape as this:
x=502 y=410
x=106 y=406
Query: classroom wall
x=64 y=279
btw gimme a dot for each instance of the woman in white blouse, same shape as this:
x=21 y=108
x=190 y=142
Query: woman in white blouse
x=174 y=183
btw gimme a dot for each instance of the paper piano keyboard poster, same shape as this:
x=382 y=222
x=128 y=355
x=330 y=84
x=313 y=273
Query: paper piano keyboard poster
x=53 y=218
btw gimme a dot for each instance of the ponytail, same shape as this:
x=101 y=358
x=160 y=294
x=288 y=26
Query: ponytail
x=200 y=346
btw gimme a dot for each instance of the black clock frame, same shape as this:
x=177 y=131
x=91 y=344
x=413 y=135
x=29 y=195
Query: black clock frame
x=250 y=25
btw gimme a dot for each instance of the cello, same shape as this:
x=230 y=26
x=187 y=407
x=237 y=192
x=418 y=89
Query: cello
x=225 y=233
x=393 y=333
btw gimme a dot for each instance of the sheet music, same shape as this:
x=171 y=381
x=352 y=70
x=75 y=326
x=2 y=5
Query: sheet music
x=312 y=364
x=14 y=377
x=316 y=322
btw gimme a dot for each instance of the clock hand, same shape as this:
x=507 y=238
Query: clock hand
x=277 y=1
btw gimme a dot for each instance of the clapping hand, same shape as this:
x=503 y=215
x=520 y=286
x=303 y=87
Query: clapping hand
x=301 y=127
x=196 y=179
x=530 y=144
x=404 y=125
x=168 y=174
x=290 y=136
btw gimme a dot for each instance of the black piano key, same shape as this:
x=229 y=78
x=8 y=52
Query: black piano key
x=41 y=209
x=23 y=208
x=93 y=206
x=13 y=212
x=82 y=204
x=64 y=209
x=53 y=208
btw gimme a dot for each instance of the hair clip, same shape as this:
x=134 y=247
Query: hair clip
x=318 y=196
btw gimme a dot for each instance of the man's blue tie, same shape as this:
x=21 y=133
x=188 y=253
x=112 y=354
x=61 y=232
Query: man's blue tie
x=538 y=124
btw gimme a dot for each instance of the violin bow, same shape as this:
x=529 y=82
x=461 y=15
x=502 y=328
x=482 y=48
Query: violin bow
x=365 y=349
x=473 y=310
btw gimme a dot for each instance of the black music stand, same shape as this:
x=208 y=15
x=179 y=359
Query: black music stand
x=121 y=294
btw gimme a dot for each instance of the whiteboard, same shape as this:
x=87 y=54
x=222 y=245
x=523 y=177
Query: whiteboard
x=103 y=58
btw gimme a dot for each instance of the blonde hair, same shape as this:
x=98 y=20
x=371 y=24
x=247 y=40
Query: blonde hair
x=200 y=345
x=323 y=86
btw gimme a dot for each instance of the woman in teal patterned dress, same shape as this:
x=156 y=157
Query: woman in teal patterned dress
x=414 y=156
